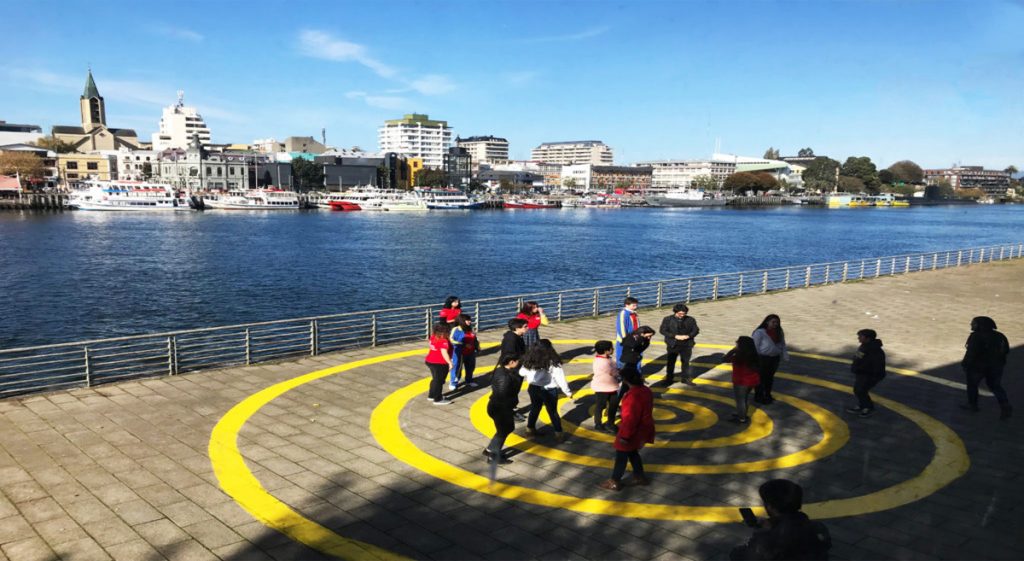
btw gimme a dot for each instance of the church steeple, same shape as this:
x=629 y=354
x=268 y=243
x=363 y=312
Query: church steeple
x=94 y=112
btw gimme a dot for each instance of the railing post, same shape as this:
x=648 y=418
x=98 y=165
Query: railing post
x=88 y=368
x=559 y=307
x=949 y=257
x=846 y=270
x=981 y=255
x=312 y=337
x=807 y=277
x=689 y=289
x=476 y=313
x=862 y=267
x=935 y=261
x=426 y=319
x=906 y=266
x=373 y=329
x=597 y=301
x=959 y=257
x=764 y=282
x=1001 y=249
x=739 y=291
x=519 y=304
x=1020 y=250
x=629 y=289
x=920 y=263
x=172 y=356
x=878 y=268
x=661 y=290
x=248 y=347
x=787 y=278
x=892 y=267
x=714 y=289
x=970 y=259
x=828 y=273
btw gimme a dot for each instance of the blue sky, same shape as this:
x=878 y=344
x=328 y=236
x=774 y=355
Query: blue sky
x=935 y=82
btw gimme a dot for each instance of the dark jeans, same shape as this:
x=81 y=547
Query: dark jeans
x=684 y=354
x=609 y=399
x=742 y=394
x=531 y=337
x=861 y=385
x=540 y=397
x=993 y=379
x=620 y=464
x=767 y=366
x=438 y=372
x=469 y=366
x=504 y=424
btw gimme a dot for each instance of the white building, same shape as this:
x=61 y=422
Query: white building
x=133 y=165
x=577 y=177
x=668 y=174
x=417 y=136
x=178 y=125
x=11 y=133
x=485 y=149
x=574 y=152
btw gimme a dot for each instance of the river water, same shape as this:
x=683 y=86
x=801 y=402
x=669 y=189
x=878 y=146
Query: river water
x=82 y=275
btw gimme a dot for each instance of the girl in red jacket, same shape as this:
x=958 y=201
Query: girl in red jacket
x=745 y=375
x=451 y=310
x=635 y=430
x=534 y=316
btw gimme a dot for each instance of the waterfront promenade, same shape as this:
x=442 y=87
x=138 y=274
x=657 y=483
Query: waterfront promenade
x=353 y=460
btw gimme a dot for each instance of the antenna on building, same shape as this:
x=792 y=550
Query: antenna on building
x=323 y=136
x=181 y=98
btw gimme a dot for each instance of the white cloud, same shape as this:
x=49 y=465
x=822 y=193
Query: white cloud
x=179 y=33
x=380 y=101
x=318 y=44
x=433 y=84
x=579 y=35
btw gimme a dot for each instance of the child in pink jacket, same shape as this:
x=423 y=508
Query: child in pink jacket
x=605 y=384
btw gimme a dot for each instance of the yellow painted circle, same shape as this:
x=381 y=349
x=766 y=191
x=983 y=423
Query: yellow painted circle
x=664 y=410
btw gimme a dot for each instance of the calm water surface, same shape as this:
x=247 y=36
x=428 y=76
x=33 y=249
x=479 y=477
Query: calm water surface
x=81 y=275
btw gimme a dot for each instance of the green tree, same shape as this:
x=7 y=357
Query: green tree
x=849 y=184
x=805 y=152
x=744 y=181
x=307 y=175
x=1012 y=170
x=887 y=177
x=905 y=190
x=771 y=153
x=863 y=169
x=820 y=174
x=705 y=182
x=907 y=172
x=942 y=189
x=26 y=165
x=147 y=170
x=569 y=183
x=55 y=144
x=432 y=178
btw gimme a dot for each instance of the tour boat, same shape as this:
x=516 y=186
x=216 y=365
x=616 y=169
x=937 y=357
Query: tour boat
x=372 y=198
x=531 y=203
x=447 y=199
x=344 y=206
x=127 y=195
x=253 y=199
x=685 y=198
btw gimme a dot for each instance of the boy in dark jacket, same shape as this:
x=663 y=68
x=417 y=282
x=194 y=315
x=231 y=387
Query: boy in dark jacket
x=679 y=330
x=505 y=383
x=787 y=533
x=868 y=369
x=512 y=344
x=984 y=360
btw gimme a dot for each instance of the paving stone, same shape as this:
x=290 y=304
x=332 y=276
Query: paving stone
x=59 y=530
x=161 y=532
x=213 y=534
x=84 y=549
x=28 y=549
x=40 y=510
x=137 y=512
x=134 y=551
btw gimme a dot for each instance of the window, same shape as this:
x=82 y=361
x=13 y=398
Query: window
x=209 y=171
x=92 y=166
x=72 y=165
x=231 y=170
x=72 y=176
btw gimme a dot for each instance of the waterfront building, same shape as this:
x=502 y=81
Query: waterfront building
x=788 y=174
x=135 y=165
x=306 y=144
x=178 y=125
x=512 y=179
x=551 y=174
x=413 y=167
x=670 y=174
x=94 y=133
x=11 y=133
x=344 y=169
x=416 y=135
x=574 y=152
x=606 y=179
x=50 y=175
x=992 y=182
x=198 y=169
x=458 y=166
x=267 y=145
x=74 y=167
x=485 y=149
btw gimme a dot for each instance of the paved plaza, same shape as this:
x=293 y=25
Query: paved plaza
x=342 y=455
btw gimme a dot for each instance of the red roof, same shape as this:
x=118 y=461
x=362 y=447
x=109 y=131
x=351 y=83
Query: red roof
x=9 y=183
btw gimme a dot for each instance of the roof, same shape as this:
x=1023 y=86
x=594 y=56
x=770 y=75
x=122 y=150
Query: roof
x=421 y=119
x=11 y=127
x=122 y=132
x=583 y=142
x=23 y=148
x=481 y=139
x=90 y=87
x=9 y=183
x=761 y=166
x=62 y=129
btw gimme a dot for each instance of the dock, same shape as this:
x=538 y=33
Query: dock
x=34 y=201
x=340 y=455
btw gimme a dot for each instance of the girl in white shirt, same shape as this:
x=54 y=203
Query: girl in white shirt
x=542 y=370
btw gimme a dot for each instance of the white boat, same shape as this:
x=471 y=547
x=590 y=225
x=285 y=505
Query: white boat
x=254 y=199
x=685 y=198
x=127 y=196
x=447 y=199
x=372 y=198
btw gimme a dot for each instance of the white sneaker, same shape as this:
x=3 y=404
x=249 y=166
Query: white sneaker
x=443 y=402
x=453 y=387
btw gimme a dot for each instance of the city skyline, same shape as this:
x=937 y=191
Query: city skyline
x=930 y=82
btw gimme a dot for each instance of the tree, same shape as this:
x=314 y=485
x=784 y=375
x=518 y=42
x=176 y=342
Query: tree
x=887 y=177
x=907 y=172
x=820 y=174
x=147 y=170
x=55 y=144
x=942 y=189
x=771 y=153
x=744 y=181
x=851 y=184
x=805 y=153
x=569 y=183
x=972 y=193
x=905 y=190
x=307 y=175
x=26 y=165
x=705 y=182
x=432 y=178
x=863 y=169
x=1012 y=170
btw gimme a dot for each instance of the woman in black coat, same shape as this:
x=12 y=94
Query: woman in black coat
x=984 y=360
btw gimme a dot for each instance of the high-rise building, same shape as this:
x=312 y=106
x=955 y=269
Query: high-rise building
x=574 y=152
x=416 y=136
x=178 y=125
x=485 y=149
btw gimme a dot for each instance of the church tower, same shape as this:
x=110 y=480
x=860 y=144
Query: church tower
x=94 y=113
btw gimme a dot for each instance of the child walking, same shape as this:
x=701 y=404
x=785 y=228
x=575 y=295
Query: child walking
x=439 y=362
x=745 y=375
x=635 y=430
x=605 y=384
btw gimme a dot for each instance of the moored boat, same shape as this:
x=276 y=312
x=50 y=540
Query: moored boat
x=447 y=199
x=253 y=199
x=531 y=203
x=685 y=198
x=127 y=196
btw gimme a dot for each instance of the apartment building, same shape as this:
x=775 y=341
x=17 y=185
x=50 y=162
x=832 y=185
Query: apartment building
x=993 y=182
x=574 y=152
x=670 y=174
x=485 y=149
x=178 y=125
x=418 y=136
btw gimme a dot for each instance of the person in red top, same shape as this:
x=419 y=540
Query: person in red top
x=439 y=361
x=534 y=316
x=745 y=375
x=635 y=430
x=451 y=310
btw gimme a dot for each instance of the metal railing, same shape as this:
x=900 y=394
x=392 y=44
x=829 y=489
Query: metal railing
x=85 y=363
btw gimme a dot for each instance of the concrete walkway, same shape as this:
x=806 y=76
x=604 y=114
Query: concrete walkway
x=124 y=471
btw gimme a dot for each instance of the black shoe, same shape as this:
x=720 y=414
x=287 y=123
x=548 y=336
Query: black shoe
x=519 y=417
x=769 y=400
x=669 y=380
x=689 y=382
x=853 y=410
x=866 y=412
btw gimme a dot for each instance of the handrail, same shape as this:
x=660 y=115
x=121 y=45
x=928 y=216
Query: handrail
x=247 y=343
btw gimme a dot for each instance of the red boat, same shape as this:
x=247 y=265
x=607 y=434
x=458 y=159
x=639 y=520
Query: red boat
x=344 y=206
x=531 y=203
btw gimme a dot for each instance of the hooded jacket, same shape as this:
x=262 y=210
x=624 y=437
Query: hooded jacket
x=869 y=360
x=986 y=349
